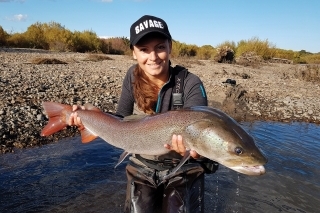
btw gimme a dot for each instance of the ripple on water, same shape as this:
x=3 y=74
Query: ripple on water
x=69 y=176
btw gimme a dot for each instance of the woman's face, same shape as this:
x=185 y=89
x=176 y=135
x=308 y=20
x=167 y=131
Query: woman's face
x=152 y=54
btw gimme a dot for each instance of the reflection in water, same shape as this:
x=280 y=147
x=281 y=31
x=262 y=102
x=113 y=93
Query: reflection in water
x=72 y=177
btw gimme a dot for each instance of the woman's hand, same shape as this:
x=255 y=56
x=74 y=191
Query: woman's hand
x=74 y=120
x=178 y=146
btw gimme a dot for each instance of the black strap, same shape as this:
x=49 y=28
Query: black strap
x=177 y=91
x=158 y=165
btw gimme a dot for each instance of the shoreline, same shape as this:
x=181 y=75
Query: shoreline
x=269 y=92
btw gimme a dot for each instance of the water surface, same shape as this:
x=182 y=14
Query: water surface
x=69 y=176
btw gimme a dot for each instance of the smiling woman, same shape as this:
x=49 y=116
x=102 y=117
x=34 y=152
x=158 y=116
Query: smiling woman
x=152 y=54
x=148 y=88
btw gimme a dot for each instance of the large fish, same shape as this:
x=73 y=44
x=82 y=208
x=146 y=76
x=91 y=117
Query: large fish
x=208 y=131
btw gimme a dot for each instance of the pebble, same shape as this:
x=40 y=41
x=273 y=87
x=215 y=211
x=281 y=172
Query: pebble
x=263 y=94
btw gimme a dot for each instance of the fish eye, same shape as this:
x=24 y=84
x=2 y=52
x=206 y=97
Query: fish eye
x=238 y=150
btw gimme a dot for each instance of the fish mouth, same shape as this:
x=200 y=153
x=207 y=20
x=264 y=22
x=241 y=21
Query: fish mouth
x=250 y=170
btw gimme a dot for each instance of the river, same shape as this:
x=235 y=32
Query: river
x=69 y=176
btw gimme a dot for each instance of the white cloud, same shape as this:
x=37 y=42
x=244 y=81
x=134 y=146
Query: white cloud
x=105 y=37
x=19 y=17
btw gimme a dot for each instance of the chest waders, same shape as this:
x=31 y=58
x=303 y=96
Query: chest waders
x=183 y=193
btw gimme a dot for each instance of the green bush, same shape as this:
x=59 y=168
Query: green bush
x=86 y=41
x=286 y=54
x=117 y=46
x=230 y=44
x=18 y=40
x=312 y=59
x=57 y=37
x=35 y=36
x=54 y=36
x=262 y=48
x=206 y=52
x=183 y=50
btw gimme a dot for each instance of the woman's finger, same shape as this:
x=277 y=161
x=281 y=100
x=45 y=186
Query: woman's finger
x=177 y=145
x=180 y=146
x=74 y=107
x=174 y=145
x=167 y=146
x=194 y=154
x=70 y=120
x=78 y=121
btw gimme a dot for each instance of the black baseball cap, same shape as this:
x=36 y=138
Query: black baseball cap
x=145 y=25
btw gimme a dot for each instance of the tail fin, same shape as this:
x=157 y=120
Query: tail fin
x=57 y=117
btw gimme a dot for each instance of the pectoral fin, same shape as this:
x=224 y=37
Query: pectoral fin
x=186 y=157
x=91 y=107
x=122 y=157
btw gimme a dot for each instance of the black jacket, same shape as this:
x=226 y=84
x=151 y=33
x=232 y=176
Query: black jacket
x=194 y=93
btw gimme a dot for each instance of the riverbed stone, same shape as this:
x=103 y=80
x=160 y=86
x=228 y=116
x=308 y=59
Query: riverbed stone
x=261 y=93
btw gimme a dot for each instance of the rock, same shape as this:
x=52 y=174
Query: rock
x=39 y=117
x=268 y=92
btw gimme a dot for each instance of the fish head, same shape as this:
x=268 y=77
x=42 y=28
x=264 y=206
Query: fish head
x=221 y=139
x=242 y=153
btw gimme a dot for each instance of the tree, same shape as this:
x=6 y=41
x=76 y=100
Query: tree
x=57 y=36
x=3 y=37
x=35 y=36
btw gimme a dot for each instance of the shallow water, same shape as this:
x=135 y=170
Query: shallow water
x=69 y=176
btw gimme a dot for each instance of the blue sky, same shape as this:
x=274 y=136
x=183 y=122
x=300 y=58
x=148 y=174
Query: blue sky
x=287 y=24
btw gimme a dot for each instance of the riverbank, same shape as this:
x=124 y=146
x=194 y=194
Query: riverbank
x=264 y=91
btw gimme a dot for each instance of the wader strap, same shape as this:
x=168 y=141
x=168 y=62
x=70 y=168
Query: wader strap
x=177 y=90
x=158 y=165
x=208 y=165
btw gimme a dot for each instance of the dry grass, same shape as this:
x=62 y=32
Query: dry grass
x=187 y=61
x=225 y=54
x=47 y=61
x=312 y=59
x=249 y=59
x=308 y=73
x=97 y=57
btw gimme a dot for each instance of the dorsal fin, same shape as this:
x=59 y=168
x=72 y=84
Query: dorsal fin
x=134 y=117
x=89 y=106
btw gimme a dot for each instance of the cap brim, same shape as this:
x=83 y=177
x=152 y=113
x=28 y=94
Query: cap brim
x=138 y=38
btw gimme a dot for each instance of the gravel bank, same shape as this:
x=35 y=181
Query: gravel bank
x=271 y=92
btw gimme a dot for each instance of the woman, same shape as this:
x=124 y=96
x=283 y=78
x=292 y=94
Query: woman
x=148 y=88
